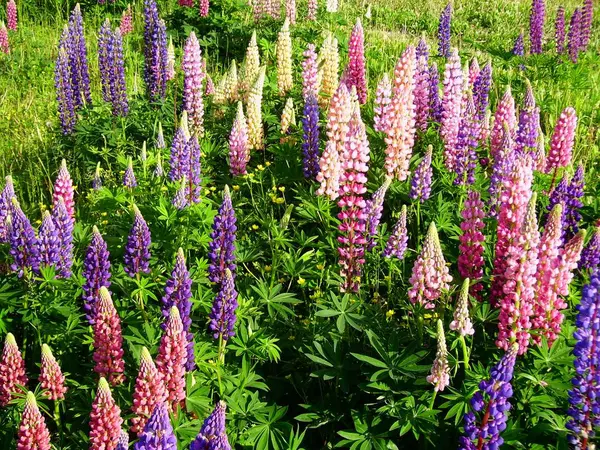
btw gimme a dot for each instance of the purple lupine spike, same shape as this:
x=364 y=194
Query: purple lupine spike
x=310 y=137
x=64 y=90
x=212 y=435
x=584 y=398
x=158 y=433
x=49 y=242
x=490 y=406
x=422 y=49
x=24 y=245
x=104 y=54
x=178 y=292
x=77 y=51
x=420 y=184
x=118 y=89
x=398 y=241
x=222 y=315
x=180 y=200
x=137 y=250
x=194 y=172
x=536 y=26
x=221 y=249
x=526 y=139
x=574 y=36
x=421 y=93
x=374 y=211
x=129 y=180
x=155 y=52
x=435 y=103
x=587 y=17
x=179 y=160
x=96 y=272
x=444 y=31
x=569 y=194
x=64 y=227
x=468 y=134
x=519 y=46
x=481 y=91
x=123 y=443
x=559 y=30
x=503 y=162
x=590 y=255
x=6 y=197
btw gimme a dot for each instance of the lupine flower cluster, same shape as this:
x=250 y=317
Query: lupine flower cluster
x=11 y=15
x=563 y=139
x=212 y=434
x=398 y=241
x=451 y=108
x=221 y=249
x=284 y=59
x=528 y=125
x=373 y=212
x=440 y=370
x=158 y=432
x=356 y=69
x=105 y=419
x=328 y=63
x=112 y=69
x=587 y=17
x=170 y=70
x=465 y=157
x=126 y=25
x=254 y=112
x=12 y=370
x=568 y=194
x=6 y=196
x=574 y=36
x=204 y=6
x=559 y=30
x=4 y=42
x=461 y=322
x=24 y=245
x=420 y=184
x=470 y=258
x=383 y=99
x=422 y=86
x=310 y=119
x=51 y=378
x=129 y=180
x=194 y=74
x=149 y=391
x=137 y=250
x=239 y=151
x=435 y=103
x=222 y=315
x=444 y=31
x=505 y=114
x=288 y=118
x=33 y=432
x=48 y=241
x=108 y=341
x=155 y=52
x=590 y=255
x=536 y=25
x=96 y=271
x=172 y=358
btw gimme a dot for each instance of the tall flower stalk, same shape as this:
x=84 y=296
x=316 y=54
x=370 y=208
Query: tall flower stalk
x=194 y=74
x=12 y=370
x=33 y=432
x=96 y=272
x=108 y=341
x=51 y=378
x=155 y=52
x=470 y=258
x=105 y=419
x=444 y=31
x=172 y=358
x=536 y=25
x=148 y=392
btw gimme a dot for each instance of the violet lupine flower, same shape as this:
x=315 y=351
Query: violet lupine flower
x=398 y=241
x=123 y=443
x=149 y=391
x=505 y=114
x=204 y=7
x=129 y=180
x=104 y=51
x=490 y=406
x=461 y=322
x=435 y=103
x=526 y=137
x=155 y=52
x=51 y=377
x=179 y=160
x=590 y=255
x=421 y=90
x=4 y=42
x=49 y=242
x=584 y=400
x=239 y=151
x=24 y=245
x=465 y=156
x=64 y=90
x=12 y=370
x=221 y=249
x=171 y=360
x=222 y=315
x=587 y=17
x=481 y=91
x=444 y=31
x=451 y=108
x=6 y=196
x=158 y=432
x=383 y=99
x=97 y=180
x=563 y=139
x=63 y=188
x=310 y=137
x=178 y=292
x=193 y=72
x=126 y=25
x=536 y=25
x=137 y=250
x=193 y=178
x=33 y=432
x=354 y=166
x=470 y=258
x=559 y=30
x=108 y=340
x=516 y=306
x=105 y=419
x=422 y=49
x=96 y=271
x=356 y=69
x=11 y=15
x=420 y=184
x=519 y=46
x=569 y=194
x=440 y=370
x=180 y=200
x=64 y=229
x=430 y=275
x=374 y=211
x=574 y=36
x=77 y=52
x=116 y=75
x=212 y=434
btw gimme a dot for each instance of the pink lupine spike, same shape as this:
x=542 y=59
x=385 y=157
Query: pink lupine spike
x=108 y=340
x=63 y=187
x=357 y=63
x=440 y=370
x=193 y=95
x=383 y=99
x=470 y=259
x=33 y=432
x=105 y=419
x=505 y=114
x=563 y=138
x=451 y=108
x=4 y=42
x=11 y=15
x=51 y=376
x=149 y=391
x=12 y=370
x=462 y=322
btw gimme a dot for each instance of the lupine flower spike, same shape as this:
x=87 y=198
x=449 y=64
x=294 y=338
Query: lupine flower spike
x=12 y=370
x=587 y=18
x=155 y=52
x=536 y=25
x=194 y=74
x=158 y=432
x=470 y=258
x=63 y=188
x=62 y=82
x=33 y=432
x=239 y=151
x=212 y=434
x=422 y=87
x=129 y=180
x=451 y=108
x=398 y=241
x=254 y=112
x=284 y=59
x=328 y=62
x=137 y=250
x=221 y=249
x=6 y=197
x=149 y=391
x=590 y=255
x=444 y=31
x=97 y=180
x=11 y=15
x=77 y=51
x=356 y=69
x=383 y=98
x=126 y=26
x=64 y=230
x=49 y=241
x=288 y=118
x=374 y=211
x=559 y=30
x=108 y=340
x=96 y=271
x=222 y=315
x=440 y=371
x=105 y=419
x=462 y=322
x=24 y=245
x=123 y=443
x=4 y=42
x=51 y=378
x=310 y=119
x=574 y=36
x=170 y=71
x=569 y=195
x=204 y=6
x=172 y=358
x=420 y=184
x=563 y=138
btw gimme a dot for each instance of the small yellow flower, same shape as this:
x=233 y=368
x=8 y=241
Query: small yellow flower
x=281 y=188
x=163 y=188
x=104 y=222
x=103 y=213
x=255 y=227
x=260 y=167
x=301 y=281
x=390 y=313
x=38 y=221
x=268 y=268
x=320 y=266
x=236 y=187
x=268 y=163
x=281 y=280
x=250 y=175
x=213 y=188
x=206 y=192
x=279 y=201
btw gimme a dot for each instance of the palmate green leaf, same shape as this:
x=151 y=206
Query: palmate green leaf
x=276 y=302
x=369 y=360
x=268 y=431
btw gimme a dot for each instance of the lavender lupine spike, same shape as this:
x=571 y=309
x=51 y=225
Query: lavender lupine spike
x=179 y=160
x=6 y=197
x=49 y=242
x=158 y=433
x=481 y=91
x=221 y=249
x=420 y=184
x=422 y=49
x=129 y=180
x=465 y=156
x=451 y=108
x=24 y=245
x=180 y=200
x=444 y=31
x=222 y=315
x=587 y=18
x=120 y=104
x=212 y=435
x=503 y=161
x=568 y=193
x=64 y=228
x=97 y=180
x=574 y=38
x=526 y=138
x=590 y=255
x=398 y=242
x=435 y=103
x=194 y=74
x=519 y=46
x=374 y=211
x=462 y=322
x=123 y=443
x=137 y=250
x=155 y=52
x=64 y=91
x=104 y=61
x=440 y=371
x=194 y=172
x=536 y=25
x=96 y=272
x=559 y=30
x=78 y=59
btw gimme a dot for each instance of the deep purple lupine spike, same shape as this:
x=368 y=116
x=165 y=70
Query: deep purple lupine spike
x=574 y=36
x=590 y=255
x=77 y=51
x=6 y=197
x=221 y=249
x=64 y=227
x=24 y=245
x=420 y=184
x=422 y=49
x=179 y=160
x=444 y=31
x=137 y=250
x=155 y=52
x=519 y=46
x=96 y=272
x=104 y=51
x=178 y=292
x=222 y=315
x=526 y=139
x=64 y=89
x=118 y=90
x=435 y=103
x=212 y=435
x=49 y=242
x=374 y=211
x=568 y=193
x=536 y=25
x=310 y=137
x=481 y=91
x=158 y=433
x=587 y=17
x=398 y=241
x=559 y=30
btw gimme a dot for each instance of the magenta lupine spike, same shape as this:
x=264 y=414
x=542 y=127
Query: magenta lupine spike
x=430 y=275
x=105 y=419
x=108 y=341
x=193 y=101
x=212 y=435
x=563 y=139
x=515 y=193
x=398 y=241
x=137 y=250
x=186 y=3
x=204 y=7
x=4 y=42
x=49 y=241
x=505 y=114
x=420 y=184
x=374 y=211
x=126 y=25
x=12 y=370
x=574 y=36
x=451 y=108
x=559 y=30
x=383 y=99
x=63 y=187
x=96 y=272
x=33 y=432
x=587 y=18
x=148 y=392
x=421 y=91
x=474 y=70
x=536 y=25
x=11 y=15
x=24 y=245
x=6 y=196
x=171 y=359
x=64 y=230
x=461 y=322
x=357 y=64
x=51 y=377
x=470 y=258
x=129 y=180
x=526 y=137
x=400 y=135
x=440 y=370
x=516 y=307
x=239 y=152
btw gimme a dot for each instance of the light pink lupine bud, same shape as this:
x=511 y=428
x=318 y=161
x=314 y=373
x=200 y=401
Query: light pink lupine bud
x=312 y=10
x=451 y=108
x=563 y=138
x=12 y=370
x=239 y=151
x=290 y=11
x=170 y=60
x=51 y=376
x=193 y=101
x=63 y=187
x=4 y=42
x=440 y=371
x=108 y=340
x=462 y=322
x=309 y=72
x=540 y=159
x=105 y=419
x=473 y=71
x=383 y=100
x=505 y=113
x=148 y=392
x=33 y=432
